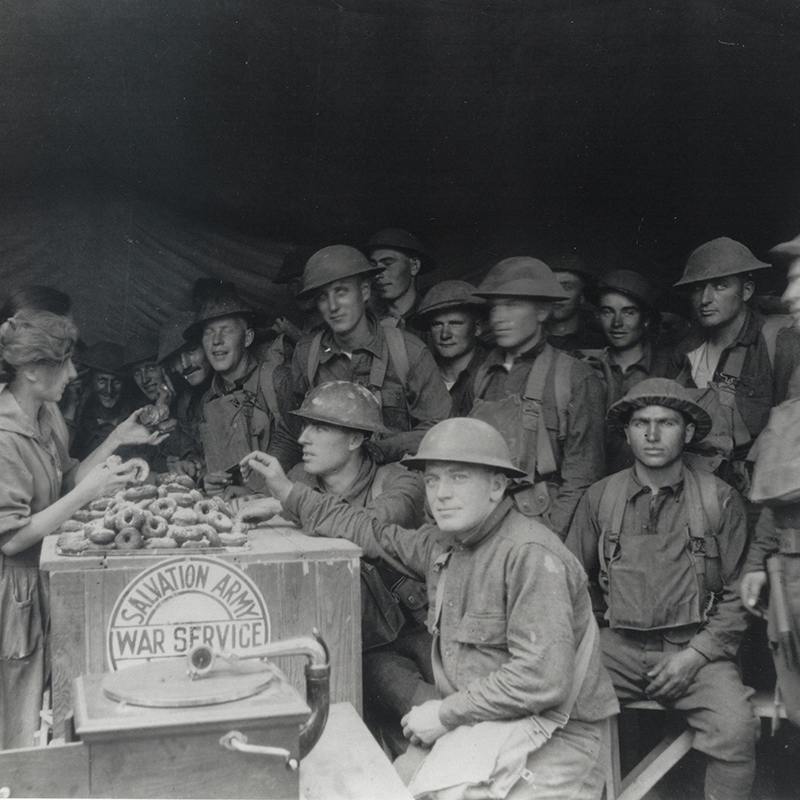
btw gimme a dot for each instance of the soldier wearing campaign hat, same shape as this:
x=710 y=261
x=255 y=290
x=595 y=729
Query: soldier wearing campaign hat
x=547 y=404
x=673 y=638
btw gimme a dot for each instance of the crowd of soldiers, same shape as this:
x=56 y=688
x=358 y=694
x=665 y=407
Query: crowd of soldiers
x=541 y=440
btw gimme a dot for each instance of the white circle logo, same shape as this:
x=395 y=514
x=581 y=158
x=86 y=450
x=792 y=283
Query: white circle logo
x=182 y=602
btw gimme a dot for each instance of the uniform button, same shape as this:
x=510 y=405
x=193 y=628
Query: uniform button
x=483 y=637
x=450 y=603
x=447 y=652
x=410 y=598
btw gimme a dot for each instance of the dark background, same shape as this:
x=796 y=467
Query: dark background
x=147 y=142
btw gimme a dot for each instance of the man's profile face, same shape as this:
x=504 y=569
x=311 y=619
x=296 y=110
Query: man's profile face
x=461 y=496
x=453 y=333
x=398 y=273
x=225 y=342
x=342 y=303
x=657 y=435
x=573 y=285
x=326 y=448
x=191 y=364
x=719 y=301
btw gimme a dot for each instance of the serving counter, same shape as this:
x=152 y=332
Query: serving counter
x=117 y=608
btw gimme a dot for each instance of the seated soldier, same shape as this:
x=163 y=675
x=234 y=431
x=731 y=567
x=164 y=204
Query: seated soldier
x=453 y=319
x=240 y=410
x=665 y=544
x=338 y=418
x=104 y=406
x=395 y=365
x=489 y=571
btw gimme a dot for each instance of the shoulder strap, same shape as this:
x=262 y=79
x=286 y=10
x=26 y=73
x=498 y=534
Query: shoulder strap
x=398 y=352
x=733 y=366
x=704 y=514
x=440 y=566
x=481 y=379
x=377 y=484
x=534 y=388
x=563 y=390
x=582 y=658
x=266 y=385
x=610 y=513
x=313 y=358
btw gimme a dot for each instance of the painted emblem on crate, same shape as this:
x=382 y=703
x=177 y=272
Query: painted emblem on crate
x=181 y=602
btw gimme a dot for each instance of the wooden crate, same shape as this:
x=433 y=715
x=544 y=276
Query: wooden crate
x=306 y=582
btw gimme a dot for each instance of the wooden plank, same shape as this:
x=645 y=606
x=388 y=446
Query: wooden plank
x=339 y=620
x=655 y=765
x=348 y=764
x=56 y=771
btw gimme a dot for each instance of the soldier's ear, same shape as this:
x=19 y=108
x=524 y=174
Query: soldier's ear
x=415 y=265
x=248 y=337
x=497 y=486
x=689 y=433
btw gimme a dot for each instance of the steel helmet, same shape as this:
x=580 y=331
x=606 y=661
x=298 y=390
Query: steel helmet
x=521 y=276
x=449 y=294
x=332 y=264
x=217 y=307
x=629 y=283
x=466 y=441
x=348 y=405
x=717 y=259
x=404 y=242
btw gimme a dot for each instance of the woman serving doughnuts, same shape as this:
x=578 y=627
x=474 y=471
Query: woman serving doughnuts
x=42 y=487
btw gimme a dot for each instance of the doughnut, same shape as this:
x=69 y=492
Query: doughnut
x=95 y=514
x=163 y=507
x=233 y=539
x=138 y=468
x=101 y=504
x=70 y=525
x=113 y=461
x=144 y=492
x=204 y=508
x=164 y=542
x=220 y=522
x=129 y=517
x=72 y=542
x=166 y=477
x=152 y=415
x=196 y=496
x=184 y=480
x=183 y=499
x=185 y=516
x=154 y=527
x=97 y=546
x=201 y=543
x=82 y=515
x=186 y=533
x=213 y=536
x=223 y=507
x=101 y=535
x=129 y=539
x=167 y=426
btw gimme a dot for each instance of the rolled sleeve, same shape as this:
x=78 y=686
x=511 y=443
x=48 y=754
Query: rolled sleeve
x=16 y=493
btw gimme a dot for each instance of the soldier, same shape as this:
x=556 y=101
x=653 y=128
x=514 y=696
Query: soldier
x=399 y=258
x=489 y=571
x=673 y=639
x=571 y=325
x=240 y=409
x=393 y=364
x=629 y=319
x=547 y=404
x=140 y=366
x=338 y=418
x=453 y=318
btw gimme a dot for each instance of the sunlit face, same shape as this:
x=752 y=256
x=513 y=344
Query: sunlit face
x=225 y=343
x=792 y=294
x=148 y=376
x=327 y=448
x=717 y=302
x=453 y=333
x=191 y=363
x=107 y=388
x=342 y=303
x=622 y=320
x=516 y=322
x=573 y=285
x=461 y=496
x=657 y=435
x=398 y=273
x=52 y=378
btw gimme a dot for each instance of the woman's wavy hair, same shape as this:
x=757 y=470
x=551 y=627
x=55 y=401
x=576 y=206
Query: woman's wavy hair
x=34 y=337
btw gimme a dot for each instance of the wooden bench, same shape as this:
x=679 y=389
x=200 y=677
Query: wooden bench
x=666 y=754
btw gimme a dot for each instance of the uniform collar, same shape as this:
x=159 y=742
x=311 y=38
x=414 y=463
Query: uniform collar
x=374 y=344
x=497 y=357
x=478 y=535
x=747 y=335
x=635 y=486
x=645 y=363
x=218 y=386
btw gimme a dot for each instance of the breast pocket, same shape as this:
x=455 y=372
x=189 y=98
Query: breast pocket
x=395 y=413
x=483 y=630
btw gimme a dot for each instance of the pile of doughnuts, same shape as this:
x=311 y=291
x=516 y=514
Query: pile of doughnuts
x=167 y=514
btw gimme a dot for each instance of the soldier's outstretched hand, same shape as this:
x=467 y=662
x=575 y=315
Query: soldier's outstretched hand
x=268 y=466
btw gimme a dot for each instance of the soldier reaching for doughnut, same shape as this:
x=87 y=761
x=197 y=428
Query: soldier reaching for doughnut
x=41 y=488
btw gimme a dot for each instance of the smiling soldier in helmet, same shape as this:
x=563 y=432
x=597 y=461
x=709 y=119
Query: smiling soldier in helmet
x=393 y=364
x=338 y=419
x=496 y=657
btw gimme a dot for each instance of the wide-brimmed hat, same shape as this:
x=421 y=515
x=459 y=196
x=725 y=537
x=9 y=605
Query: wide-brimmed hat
x=660 y=392
x=334 y=263
x=405 y=242
x=629 y=283
x=521 y=276
x=465 y=440
x=227 y=305
x=448 y=294
x=102 y=356
x=718 y=259
x=348 y=405
x=141 y=348
x=170 y=337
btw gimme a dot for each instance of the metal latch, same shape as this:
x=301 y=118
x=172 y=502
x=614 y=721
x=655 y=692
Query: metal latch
x=235 y=740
